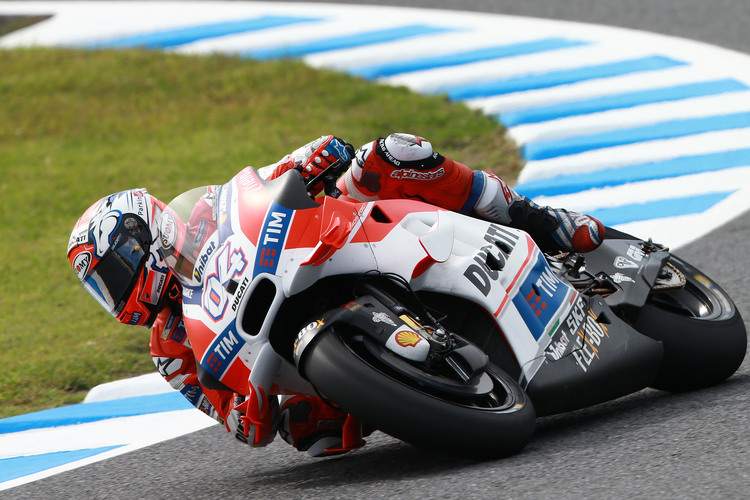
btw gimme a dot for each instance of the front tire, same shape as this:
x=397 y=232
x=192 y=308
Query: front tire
x=351 y=372
x=703 y=334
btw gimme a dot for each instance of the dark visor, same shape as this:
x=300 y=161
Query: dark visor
x=113 y=278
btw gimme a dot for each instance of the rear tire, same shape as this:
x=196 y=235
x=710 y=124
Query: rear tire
x=356 y=374
x=703 y=334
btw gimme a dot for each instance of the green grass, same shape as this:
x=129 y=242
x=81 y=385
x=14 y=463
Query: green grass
x=77 y=125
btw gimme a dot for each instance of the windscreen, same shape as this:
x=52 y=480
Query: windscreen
x=180 y=236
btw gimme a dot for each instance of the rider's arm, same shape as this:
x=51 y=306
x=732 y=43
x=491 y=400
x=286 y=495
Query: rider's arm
x=175 y=361
x=310 y=159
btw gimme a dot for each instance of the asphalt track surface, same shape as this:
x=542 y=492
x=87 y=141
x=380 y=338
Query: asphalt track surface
x=647 y=445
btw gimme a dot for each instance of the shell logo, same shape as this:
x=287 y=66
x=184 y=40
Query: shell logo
x=407 y=338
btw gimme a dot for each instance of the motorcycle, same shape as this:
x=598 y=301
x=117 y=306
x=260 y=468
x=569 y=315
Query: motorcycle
x=445 y=331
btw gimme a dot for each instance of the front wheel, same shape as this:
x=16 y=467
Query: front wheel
x=702 y=332
x=416 y=405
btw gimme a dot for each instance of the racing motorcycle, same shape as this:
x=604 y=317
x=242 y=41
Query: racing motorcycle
x=445 y=331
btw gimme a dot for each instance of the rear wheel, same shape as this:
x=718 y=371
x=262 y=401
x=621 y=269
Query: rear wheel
x=488 y=416
x=702 y=332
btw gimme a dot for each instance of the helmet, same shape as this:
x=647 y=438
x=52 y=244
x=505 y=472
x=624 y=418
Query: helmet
x=113 y=252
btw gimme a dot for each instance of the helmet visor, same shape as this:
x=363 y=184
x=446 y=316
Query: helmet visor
x=113 y=278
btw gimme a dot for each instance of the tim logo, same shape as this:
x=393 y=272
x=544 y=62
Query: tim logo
x=213 y=362
x=539 y=298
x=271 y=240
x=222 y=351
x=268 y=257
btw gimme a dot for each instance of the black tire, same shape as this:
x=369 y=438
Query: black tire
x=703 y=334
x=346 y=371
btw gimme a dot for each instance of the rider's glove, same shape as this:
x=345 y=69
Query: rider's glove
x=312 y=158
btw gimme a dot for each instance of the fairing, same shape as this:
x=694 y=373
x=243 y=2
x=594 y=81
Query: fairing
x=273 y=243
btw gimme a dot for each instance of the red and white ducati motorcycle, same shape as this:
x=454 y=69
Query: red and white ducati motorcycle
x=442 y=330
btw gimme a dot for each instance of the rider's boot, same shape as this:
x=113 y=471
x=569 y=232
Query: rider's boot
x=556 y=228
x=551 y=228
x=310 y=424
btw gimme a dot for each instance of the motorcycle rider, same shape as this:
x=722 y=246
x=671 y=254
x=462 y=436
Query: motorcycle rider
x=406 y=166
x=114 y=253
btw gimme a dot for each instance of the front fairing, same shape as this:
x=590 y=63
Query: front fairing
x=269 y=243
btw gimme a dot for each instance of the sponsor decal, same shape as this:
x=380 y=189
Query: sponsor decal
x=222 y=352
x=501 y=244
x=409 y=174
x=624 y=263
x=239 y=293
x=556 y=349
x=140 y=206
x=319 y=323
x=580 y=336
x=192 y=393
x=576 y=316
x=381 y=317
x=391 y=159
x=78 y=239
x=352 y=306
x=621 y=278
x=590 y=337
x=153 y=287
x=205 y=405
x=539 y=297
x=547 y=283
x=360 y=157
x=203 y=260
x=271 y=239
x=81 y=264
x=135 y=318
x=177 y=332
x=408 y=344
x=635 y=253
x=168 y=230
x=407 y=338
x=167 y=366
x=562 y=337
